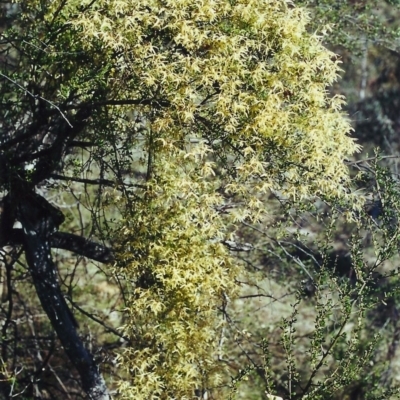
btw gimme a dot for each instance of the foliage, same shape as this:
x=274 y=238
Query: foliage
x=353 y=22
x=183 y=120
x=326 y=327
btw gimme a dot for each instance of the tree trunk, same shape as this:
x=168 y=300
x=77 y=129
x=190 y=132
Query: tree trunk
x=38 y=228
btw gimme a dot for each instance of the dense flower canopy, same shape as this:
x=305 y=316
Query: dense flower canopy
x=245 y=77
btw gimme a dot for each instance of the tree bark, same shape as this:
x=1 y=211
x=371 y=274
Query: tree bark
x=37 y=230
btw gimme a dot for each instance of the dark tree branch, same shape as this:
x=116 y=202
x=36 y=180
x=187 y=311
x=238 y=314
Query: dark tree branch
x=32 y=130
x=82 y=144
x=47 y=164
x=47 y=159
x=82 y=246
x=68 y=241
x=105 y=182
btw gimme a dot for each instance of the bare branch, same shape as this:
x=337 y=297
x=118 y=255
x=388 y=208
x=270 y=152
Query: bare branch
x=68 y=241
x=99 y=321
x=82 y=246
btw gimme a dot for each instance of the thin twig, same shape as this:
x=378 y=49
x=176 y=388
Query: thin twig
x=99 y=321
x=105 y=182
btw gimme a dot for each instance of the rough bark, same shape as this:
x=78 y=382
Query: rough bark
x=38 y=227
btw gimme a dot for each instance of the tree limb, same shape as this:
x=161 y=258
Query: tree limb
x=82 y=246
x=69 y=241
